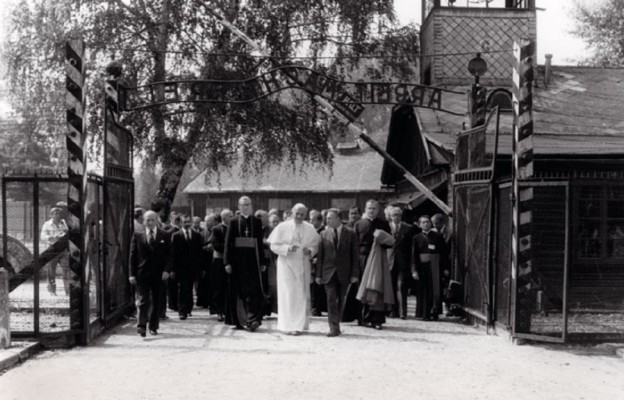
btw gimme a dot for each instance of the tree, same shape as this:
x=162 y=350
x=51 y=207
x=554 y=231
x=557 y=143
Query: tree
x=601 y=27
x=172 y=39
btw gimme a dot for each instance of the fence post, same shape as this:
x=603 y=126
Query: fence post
x=5 y=331
x=77 y=175
x=522 y=216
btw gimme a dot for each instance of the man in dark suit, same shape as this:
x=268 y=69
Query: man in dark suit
x=186 y=252
x=365 y=229
x=244 y=260
x=219 y=280
x=317 y=293
x=428 y=249
x=439 y=222
x=354 y=216
x=337 y=266
x=400 y=259
x=202 y=287
x=149 y=266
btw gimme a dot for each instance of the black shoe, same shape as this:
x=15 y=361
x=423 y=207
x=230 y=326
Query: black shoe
x=141 y=331
x=403 y=316
x=189 y=314
x=163 y=317
x=220 y=318
x=333 y=334
x=153 y=332
x=238 y=327
x=253 y=326
x=183 y=316
x=434 y=317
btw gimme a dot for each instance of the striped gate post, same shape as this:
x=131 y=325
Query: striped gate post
x=111 y=109
x=76 y=170
x=521 y=266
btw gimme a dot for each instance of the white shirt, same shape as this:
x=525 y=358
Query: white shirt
x=51 y=232
x=148 y=231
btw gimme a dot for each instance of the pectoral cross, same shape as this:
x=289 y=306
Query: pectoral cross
x=246 y=231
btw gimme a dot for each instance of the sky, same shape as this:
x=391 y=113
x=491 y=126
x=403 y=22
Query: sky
x=554 y=26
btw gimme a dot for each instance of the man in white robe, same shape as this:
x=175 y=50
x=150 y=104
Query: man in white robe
x=295 y=242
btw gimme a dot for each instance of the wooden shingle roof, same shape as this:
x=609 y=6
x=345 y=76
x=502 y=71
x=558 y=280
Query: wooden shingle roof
x=351 y=173
x=580 y=112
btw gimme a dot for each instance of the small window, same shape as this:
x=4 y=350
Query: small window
x=600 y=222
x=280 y=204
x=501 y=98
x=217 y=205
x=343 y=204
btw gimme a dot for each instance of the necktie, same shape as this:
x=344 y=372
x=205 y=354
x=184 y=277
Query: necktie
x=336 y=238
x=187 y=235
x=151 y=237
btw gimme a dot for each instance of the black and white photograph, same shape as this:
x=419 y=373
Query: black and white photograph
x=311 y=199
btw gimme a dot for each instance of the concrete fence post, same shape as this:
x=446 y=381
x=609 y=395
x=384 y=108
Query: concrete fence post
x=5 y=332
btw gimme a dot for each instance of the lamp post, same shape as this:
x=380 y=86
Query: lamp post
x=478 y=94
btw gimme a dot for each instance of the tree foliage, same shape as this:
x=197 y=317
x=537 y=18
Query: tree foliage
x=602 y=28
x=173 y=39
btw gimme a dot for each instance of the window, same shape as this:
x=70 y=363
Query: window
x=343 y=204
x=217 y=205
x=600 y=222
x=502 y=99
x=280 y=204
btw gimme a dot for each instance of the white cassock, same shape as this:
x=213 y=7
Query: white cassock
x=293 y=273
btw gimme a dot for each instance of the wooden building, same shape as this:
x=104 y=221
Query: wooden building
x=358 y=174
x=569 y=279
x=354 y=179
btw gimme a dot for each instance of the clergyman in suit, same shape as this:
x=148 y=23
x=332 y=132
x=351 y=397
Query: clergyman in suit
x=244 y=260
x=337 y=266
x=149 y=266
x=186 y=252
x=428 y=248
x=365 y=230
x=400 y=259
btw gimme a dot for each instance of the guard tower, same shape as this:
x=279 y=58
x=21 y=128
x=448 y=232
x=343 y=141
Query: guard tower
x=453 y=28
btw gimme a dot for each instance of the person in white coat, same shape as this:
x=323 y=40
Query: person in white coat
x=295 y=242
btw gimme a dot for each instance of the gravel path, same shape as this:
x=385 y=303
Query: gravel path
x=201 y=359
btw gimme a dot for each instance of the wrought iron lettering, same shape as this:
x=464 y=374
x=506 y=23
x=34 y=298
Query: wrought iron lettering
x=347 y=97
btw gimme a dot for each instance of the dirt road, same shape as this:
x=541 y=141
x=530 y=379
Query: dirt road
x=201 y=359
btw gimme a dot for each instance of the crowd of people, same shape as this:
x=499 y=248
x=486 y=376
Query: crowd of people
x=246 y=265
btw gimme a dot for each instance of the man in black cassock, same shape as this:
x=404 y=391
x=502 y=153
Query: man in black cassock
x=364 y=229
x=244 y=260
x=219 y=280
x=428 y=249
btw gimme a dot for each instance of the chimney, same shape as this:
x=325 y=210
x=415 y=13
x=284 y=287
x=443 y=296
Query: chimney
x=547 y=69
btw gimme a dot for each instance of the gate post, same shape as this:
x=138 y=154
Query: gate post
x=5 y=327
x=77 y=175
x=521 y=263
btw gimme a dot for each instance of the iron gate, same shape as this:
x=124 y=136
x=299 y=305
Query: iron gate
x=538 y=300
x=472 y=218
x=117 y=230
x=39 y=273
